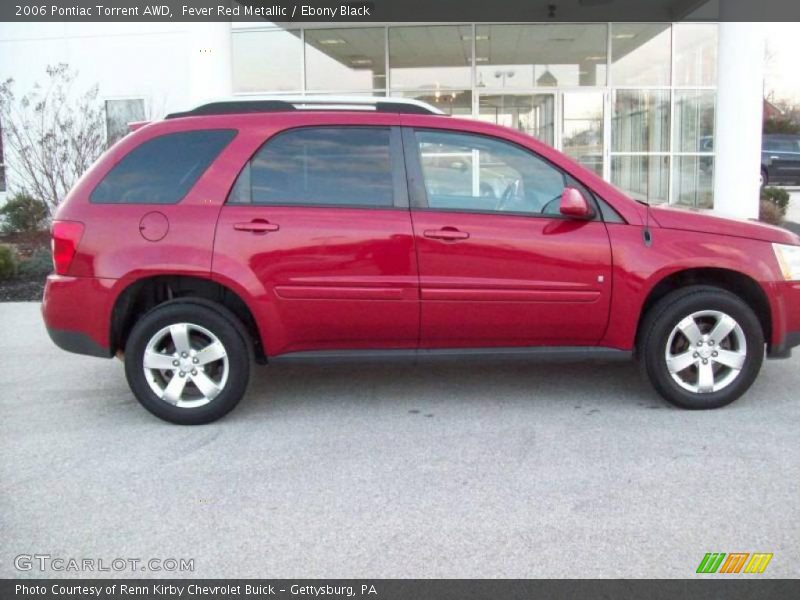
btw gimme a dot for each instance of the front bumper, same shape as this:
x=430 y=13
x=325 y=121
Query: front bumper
x=77 y=313
x=785 y=320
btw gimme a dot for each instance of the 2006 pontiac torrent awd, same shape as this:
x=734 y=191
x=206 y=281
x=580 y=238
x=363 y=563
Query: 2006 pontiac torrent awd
x=282 y=230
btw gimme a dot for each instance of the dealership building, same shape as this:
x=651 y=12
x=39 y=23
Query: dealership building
x=669 y=112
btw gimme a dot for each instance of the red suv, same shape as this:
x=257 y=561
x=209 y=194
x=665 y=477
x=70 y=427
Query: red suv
x=284 y=230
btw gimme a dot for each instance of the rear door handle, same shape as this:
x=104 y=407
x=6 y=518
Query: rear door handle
x=257 y=226
x=446 y=233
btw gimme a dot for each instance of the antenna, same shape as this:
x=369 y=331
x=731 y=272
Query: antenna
x=648 y=237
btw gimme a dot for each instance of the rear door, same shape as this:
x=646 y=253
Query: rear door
x=499 y=265
x=317 y=228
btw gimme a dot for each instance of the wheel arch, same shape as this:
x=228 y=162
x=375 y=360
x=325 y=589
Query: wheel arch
x=735 y=282
x=144 y=294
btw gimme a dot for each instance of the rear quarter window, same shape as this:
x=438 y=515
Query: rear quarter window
x=163 y=169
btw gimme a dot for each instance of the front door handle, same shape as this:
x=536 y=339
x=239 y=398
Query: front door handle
x=446 y=233
x=257 y=226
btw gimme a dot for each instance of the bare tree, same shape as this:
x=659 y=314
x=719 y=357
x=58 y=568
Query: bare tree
x=52 y=134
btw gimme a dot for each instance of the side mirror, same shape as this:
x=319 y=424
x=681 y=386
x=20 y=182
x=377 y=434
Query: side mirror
x=574 y=204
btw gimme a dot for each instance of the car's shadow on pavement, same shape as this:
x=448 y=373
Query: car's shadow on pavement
x=558 y=385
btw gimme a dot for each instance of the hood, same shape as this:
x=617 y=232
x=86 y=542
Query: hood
x=706 y=222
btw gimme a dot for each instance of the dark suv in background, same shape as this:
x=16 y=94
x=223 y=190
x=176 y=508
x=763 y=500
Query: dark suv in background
x=780 y=159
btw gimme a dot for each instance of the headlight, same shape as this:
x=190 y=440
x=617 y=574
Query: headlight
x=789 y=261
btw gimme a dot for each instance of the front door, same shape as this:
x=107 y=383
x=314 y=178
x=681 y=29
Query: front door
x=498 y=264
x=318 y=229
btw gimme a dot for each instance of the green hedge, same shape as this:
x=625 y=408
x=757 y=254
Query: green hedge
x=8 y=263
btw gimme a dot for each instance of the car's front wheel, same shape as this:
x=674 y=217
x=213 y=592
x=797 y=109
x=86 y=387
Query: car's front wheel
x=701 y=347
x=187 y=362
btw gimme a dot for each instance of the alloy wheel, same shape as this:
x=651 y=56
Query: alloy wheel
x=185 y=365
x=706 y=351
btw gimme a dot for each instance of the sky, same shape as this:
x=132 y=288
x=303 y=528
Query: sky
x=782 y=72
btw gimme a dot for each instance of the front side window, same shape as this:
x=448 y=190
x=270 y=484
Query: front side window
x=344 y=166
x=481 y=174
x=162 y=170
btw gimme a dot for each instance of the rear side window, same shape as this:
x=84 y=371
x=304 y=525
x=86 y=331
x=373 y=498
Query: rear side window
x=162 y=170
x=344 y=166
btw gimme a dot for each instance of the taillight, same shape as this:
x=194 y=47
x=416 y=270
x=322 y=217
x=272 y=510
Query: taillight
x=65 y=236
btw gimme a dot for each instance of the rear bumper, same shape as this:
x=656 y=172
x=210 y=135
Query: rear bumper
x=77 y=313
x=77 y=342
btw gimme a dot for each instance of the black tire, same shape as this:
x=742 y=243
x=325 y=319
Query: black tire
x=217 y=320
x=658 y=325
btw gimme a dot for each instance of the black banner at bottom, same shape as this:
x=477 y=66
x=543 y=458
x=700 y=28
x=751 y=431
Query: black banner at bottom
x=394 y=589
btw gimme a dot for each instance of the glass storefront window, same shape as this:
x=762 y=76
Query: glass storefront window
x=345 y=59
x=694 y=121
x=659 y=97
x=435 y=57
x=645 y=178
x=693 y=181
x=640 y=121
x=533 y=114
x=266 y=61
x=582 y=133
x=451 y=102
x=696 y=54
x=547 y=55
x=640 y=54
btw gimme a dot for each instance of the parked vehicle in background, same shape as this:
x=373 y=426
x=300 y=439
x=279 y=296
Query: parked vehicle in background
x=292 y=230
x=780 y=159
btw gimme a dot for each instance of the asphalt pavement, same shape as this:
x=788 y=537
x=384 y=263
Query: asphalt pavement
x=519 y=470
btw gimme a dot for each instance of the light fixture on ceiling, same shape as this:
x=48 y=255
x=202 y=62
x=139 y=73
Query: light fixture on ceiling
x=547 y=79
x=478 y=38
x=332 y=42
x=481 y=59
x=598 y=57
x=624 y=36
x=361 y=62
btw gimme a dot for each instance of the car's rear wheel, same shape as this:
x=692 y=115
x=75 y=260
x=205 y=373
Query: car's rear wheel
x=187 y=363
x=701 y=347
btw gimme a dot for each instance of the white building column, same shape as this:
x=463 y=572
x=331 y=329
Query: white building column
x=210 y=69
x=737 y=137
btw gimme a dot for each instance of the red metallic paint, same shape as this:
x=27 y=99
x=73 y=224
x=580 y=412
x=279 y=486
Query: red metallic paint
x=516 y=281
x=573 y=204
x=329 y=278
x=356 y=278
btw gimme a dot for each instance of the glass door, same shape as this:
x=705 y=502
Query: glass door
x=582 y=128
x=533 y=114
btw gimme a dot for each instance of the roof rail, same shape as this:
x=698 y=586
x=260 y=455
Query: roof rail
x=291 y=103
